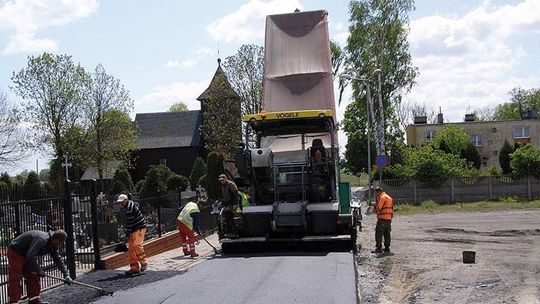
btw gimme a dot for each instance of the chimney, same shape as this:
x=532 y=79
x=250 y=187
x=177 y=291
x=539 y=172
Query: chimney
x=420 y=120
x=529 y=114
x=469 y=117
x=440 y=118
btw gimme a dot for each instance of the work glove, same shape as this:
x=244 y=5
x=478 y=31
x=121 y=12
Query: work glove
x=68 y=280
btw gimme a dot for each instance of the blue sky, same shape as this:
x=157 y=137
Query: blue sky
x=469 y=53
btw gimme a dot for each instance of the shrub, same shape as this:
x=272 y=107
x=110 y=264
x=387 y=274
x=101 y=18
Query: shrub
x=138 y=186
x=526 y=161
x=32 y=186
x=430 y=166
x=155 y=181
x=118 y=187
x=122 y=175
x=214 y=169
x=202 y=181
x=198 y=170
x=504 y=157
x=177 y=182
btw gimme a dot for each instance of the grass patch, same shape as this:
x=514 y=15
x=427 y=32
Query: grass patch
x=355 y=181
x=482 y=206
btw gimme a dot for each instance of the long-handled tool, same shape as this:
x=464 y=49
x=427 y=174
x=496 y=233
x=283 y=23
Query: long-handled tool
x=207 y=242
x=102 y=292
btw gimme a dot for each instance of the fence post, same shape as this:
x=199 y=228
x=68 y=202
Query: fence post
x=415 y=197
x=18 y=230
x=68 y=222
x=95 y=233
x=490 y=188
x=159 y=213
x=452 y=189
x=529 y=194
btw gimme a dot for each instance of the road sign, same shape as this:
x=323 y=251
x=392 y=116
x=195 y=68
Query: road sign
x=381 y=160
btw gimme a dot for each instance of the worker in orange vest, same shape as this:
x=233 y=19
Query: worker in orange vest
x=384 y=207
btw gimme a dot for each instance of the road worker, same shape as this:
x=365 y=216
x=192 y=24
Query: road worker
x=245 y=198
x=231 y=201
x=22 y=253
x=135 y=231
x=188 y=222
x=384 y=207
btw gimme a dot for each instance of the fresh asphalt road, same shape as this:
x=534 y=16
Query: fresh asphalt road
x=294 y=277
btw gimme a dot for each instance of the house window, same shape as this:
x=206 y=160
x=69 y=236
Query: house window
x=476 y=139
x=495 y=153
x=522 y=132
x=430 y=135
x=493 y=130
x=163 y=161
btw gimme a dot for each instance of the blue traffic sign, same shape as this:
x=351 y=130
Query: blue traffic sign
x=382 y=160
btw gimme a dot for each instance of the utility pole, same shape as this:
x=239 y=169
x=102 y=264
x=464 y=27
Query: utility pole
x=66 y=165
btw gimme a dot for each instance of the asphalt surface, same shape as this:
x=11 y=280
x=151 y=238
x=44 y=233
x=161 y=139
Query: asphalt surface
x=294 y=277
x=261 y=277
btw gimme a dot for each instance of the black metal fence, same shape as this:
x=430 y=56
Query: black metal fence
x=94 y=223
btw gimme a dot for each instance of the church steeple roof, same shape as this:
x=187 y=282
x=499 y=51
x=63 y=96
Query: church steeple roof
x=219 y=75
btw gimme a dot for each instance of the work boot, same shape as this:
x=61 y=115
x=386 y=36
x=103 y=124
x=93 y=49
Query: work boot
x=377 y=250
x=387 y=250
x=194 y=254
x=144 y=267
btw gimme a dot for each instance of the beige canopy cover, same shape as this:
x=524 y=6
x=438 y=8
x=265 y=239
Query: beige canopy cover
x=297 y=64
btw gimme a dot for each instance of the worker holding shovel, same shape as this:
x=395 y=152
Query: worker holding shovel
x=22 y=253
x=188 y=222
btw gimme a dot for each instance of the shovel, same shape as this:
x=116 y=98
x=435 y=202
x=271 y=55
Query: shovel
x=102 y=292
x=207 y=242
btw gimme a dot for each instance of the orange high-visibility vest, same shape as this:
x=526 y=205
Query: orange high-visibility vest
x=385 y=207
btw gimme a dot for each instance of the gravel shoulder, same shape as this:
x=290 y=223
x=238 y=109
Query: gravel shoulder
x=426 y=264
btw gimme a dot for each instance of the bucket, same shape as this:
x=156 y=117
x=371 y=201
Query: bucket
x=468 y=257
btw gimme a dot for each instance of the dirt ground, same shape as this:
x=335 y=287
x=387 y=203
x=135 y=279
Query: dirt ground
x=426 y=264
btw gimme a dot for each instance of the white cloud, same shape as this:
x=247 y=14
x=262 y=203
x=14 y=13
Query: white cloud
x=25 y=18
x=244 y=25
x=195 y=57
x=163 y=97
x=470 y=62
x=181 y=64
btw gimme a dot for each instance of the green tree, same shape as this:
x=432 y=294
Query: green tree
x=178 y=107
x=155 y=182
x=198 y=170
x=471 y=154
x=430 y=166
x=454 y=137
x=4 y=177
x=44 y=175
x=356 y=162
x=504 y=157
x=32 y=185
x=245 y=73
x=118 y=187
x=77 y=144
x=378 y=40
x=13 y=142
x=112 y=132
x=54 y=89
x=337 y=58
x=526 y=161
x=520 y=100
x=122 y=175
x=214 y=169
x=221 y=127
x=177 y=182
